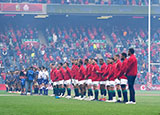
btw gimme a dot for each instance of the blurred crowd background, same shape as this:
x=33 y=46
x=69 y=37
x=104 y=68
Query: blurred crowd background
x=107 y=2
x=59 y=39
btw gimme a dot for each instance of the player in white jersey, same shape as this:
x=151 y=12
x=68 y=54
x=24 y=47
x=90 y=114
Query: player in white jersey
x=45 y=77
x=40 y=80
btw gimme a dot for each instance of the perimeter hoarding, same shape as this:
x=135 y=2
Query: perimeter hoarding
x=13 y=7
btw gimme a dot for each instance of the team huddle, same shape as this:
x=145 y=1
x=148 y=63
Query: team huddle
x=87 y=74
x=93 y=76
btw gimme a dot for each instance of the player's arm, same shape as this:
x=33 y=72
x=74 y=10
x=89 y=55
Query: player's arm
x=69 y=73
x=106 y=72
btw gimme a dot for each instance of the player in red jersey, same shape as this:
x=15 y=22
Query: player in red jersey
x=60 y=75
x=52 y=78
x=105 y=76
x=131 y=74
x=67 y=78
x=102 y=80
x=122 y=77
x=81 y=79
x=75 y=75
x=95 y=78
x=117 y=81
x=88 y=78
x=111 y=79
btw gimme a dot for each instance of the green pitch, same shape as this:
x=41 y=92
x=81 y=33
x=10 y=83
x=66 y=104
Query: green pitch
x=148 y=103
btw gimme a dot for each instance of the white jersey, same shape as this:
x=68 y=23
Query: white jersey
x=40 y=75
x=45 y=75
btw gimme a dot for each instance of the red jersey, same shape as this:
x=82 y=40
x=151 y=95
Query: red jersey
x=131 y=66
x=102 y=71
x=95 y=75
x=88 y=71
x=75 y=70
x=122 y=72
x=53 y=74
x=81 y=73
x=106 y=72
x=60 y=74
x=111 y=76
x=118 y=68
x=68 y=74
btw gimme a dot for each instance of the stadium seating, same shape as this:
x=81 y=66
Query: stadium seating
x=22 y=46
x=109 y=2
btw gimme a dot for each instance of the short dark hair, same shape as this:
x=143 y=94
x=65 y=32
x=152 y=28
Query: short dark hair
x=61 y=63
x=117 y=55
x=101 y=59
x=81 y=62
x=67 y=63
x=86 y=60
x=95 y=60
x=124 y=54
x=131 y=50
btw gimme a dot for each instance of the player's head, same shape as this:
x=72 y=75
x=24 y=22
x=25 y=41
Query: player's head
x=90 y=60
x=111 y=60
x=76 y=61
x=34 y=69
x=123 y=56
x=60 y=65
x=45 y=69
x=86 y=61
x=23 y=68
x=72 y=61
x=95 y=61
x=51 y=65
x=108 y=61
x=130 y=51
x=31 y=68
x=101 y=61
x=116 y=57
x=80 y=62
x=66 y=64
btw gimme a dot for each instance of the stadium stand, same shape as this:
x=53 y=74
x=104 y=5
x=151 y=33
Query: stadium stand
x=22 y=44
x=109 y=2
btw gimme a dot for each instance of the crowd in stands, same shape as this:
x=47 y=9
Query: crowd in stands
x=109 y=2
x=70 y=41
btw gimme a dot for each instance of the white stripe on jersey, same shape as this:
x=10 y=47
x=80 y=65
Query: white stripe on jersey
x=45 y=75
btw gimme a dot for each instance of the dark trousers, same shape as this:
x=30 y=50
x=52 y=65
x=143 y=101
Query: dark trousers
x=131 y=80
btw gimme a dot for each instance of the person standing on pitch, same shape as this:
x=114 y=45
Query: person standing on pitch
x=67 y=78
x=131 y=74
x=95 y=79
x=102 y=80
x=29 y=81
x=123 y=79
x=117 y=81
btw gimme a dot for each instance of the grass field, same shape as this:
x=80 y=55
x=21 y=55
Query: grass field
x=148 y=103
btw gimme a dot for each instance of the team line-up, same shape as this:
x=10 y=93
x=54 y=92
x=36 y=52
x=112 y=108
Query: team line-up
x=87 y=76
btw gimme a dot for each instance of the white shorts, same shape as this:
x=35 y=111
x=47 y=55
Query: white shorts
x=67 y=82
x=107 y=83
x=56 y=83
x=96 y=83
x=82 y=82
x=117 y=82
x=102 y=82
x=124 y=81
x=75 y=81
x=112 y=83
x=89 y=82
x=61 y=82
